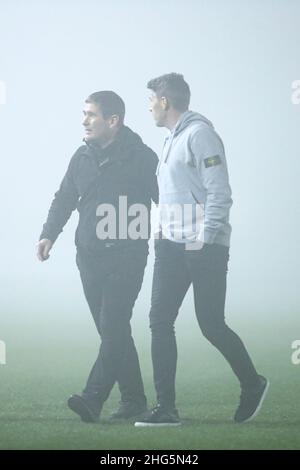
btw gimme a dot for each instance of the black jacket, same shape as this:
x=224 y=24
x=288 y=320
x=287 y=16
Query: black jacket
x=95 y=176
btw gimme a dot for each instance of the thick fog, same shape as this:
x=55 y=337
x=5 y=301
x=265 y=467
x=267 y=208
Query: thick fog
x=241 y=60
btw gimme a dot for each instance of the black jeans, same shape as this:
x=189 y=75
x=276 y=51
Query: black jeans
x=111 y=283
x=175 y=269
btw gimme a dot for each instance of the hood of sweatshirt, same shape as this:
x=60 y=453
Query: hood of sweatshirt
x=187 y=119
x=190 y=117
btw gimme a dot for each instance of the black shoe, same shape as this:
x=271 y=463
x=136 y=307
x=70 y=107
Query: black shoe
x=251 y=401
x=127 y=410
x=160 y=416
x=87 y=407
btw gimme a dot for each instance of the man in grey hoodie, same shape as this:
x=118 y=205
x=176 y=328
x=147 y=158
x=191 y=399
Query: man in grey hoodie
x=192 y=247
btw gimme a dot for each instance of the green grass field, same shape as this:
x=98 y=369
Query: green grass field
x=44 y=367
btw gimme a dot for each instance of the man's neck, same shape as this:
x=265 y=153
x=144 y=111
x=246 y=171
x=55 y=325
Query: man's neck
x=172 y=119
x=103 y=145
x=107 y=142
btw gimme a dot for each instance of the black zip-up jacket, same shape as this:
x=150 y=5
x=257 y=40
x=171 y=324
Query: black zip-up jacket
x=97 y=176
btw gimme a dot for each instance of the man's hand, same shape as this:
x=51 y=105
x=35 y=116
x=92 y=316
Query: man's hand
x=43 y=248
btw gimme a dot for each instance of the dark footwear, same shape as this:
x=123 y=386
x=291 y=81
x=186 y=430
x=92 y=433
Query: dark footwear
x=87 y=409
x=127 y=410
x=251 y=401
x=159 y=416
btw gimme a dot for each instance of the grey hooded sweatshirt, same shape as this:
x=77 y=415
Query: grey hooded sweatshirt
x=194 y=191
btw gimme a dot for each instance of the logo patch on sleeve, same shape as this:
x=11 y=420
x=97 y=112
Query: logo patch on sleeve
x=212 y=161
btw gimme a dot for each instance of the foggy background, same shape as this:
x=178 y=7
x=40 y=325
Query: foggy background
x=239 y=58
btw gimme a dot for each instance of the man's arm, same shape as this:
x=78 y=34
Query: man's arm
x=64 y=202
x=208 y=149
x=151 y=178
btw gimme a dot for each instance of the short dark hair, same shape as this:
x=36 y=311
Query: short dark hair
x=109 y=102
x=174 y=88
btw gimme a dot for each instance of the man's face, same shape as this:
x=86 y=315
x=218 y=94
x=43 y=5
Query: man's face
x=96 y=127
x=158 y=109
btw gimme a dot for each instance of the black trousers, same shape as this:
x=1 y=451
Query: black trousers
x=111 y=283
x=175 y=269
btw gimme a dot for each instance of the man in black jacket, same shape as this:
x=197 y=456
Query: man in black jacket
x=112 y=172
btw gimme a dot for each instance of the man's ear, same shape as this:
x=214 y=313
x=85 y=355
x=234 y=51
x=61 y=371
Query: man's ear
x=164 y=103
x=114 y=120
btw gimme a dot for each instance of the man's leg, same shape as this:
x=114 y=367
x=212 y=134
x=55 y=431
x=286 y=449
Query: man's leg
x=129 y=378
x=111 y=286
x=170 y=284
x=208 y=270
